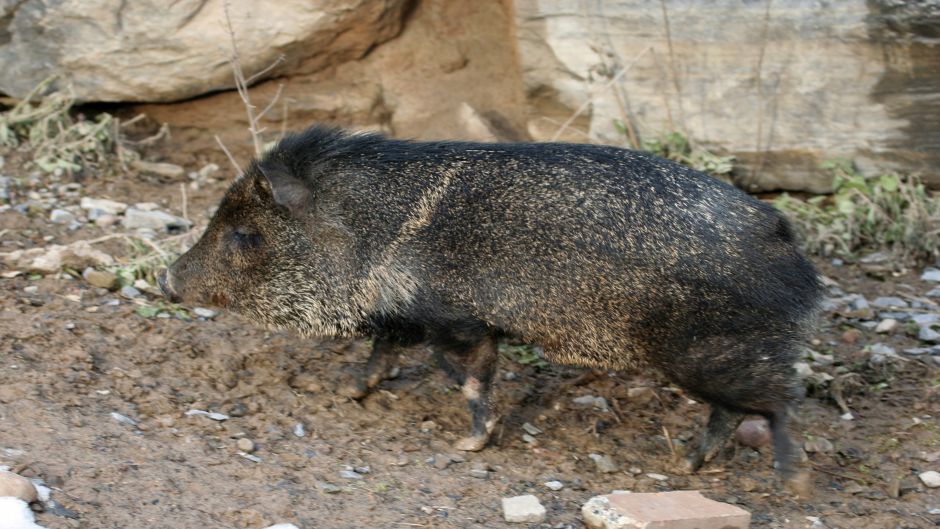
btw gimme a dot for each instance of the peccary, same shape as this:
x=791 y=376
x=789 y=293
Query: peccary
x=605 y=257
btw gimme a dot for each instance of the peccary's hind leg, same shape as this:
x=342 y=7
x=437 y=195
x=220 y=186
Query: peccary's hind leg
x=473 y=366
x=799 y=482
x=380 y=366
x=721 y=424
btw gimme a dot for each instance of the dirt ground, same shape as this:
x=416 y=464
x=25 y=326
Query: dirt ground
x=71 y=356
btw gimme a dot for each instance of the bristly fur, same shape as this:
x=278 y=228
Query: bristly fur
x=606 y=257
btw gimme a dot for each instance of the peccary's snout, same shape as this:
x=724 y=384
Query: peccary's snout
x=165 y=282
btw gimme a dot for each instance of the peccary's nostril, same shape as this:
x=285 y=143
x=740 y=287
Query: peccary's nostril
x=162 y=280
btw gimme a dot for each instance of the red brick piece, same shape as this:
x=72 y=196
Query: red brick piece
x=662 y=510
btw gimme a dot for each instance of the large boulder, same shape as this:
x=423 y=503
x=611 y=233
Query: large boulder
x=783 y=85
x=150 y=50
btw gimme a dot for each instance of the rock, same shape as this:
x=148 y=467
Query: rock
x=51 y=259
x=61 y=216
x=930 y=478
x=818 y=445
x=886 y=326
x=123 y=419
x=100 y=278
x=350 y=474
x=169 y=170
x=245 y=445
x=531 y=429
x=440 y=461
x=889 y=303
x=110 y=207
x=926 y=334
x=523 y=509
x=328 y=488
x=282 y=526
x=803 y=370
x=881 y=353
x=641 y=395
x=215 y=416
x=605 y=464
x=299 y=430
x=554 y=485
x=657 y=477
x=925 y=319
x=480 y=471
x=107 y=221
x=135 y=218
x=17 y=486
x=156 y=54
x=931 y=274
x=662 y=510
x=205 y=313
x=753 y=433
x=934 y=292
x=130 y=292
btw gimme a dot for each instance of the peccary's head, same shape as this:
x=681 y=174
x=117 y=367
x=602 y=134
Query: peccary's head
x=273 y=254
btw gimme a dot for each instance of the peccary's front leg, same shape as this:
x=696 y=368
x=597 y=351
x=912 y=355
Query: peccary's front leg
x=473 y=366
x=380 y=366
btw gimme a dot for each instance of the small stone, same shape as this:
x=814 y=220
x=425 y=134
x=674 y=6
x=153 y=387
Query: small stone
x=215 y=416
x=803 y=369
x=584 y=400
x=169 y=170
x=529 y=439
x=106 y=221
x=205 y=313
x=245 y=445
x=509 y=375
x=889 y=302
x=554 y=485
x=104 y=205
x=881 y=354
x=925 y=319
x=819 y=445
x=934 y=292
x=531 y=429
x=135 y=218
x=123 y=419
x=440 y=461
x=662 y=510
x=657 y=477
x=605 y=464
x=641 y=395
x=480 y=471
x=350 y=474
x=428 y=426
x=299 y=430
x=887 y=326
x=930 y=478
x=753 y=433
x=61 y=216
x=130 y=292
x=328 y=488
x=282 y=526
x=17 y=486
x=523 y=509
x=926 y=334
x=100 y=278
x=931 y=274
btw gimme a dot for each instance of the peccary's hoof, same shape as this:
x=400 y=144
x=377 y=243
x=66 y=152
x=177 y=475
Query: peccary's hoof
x=374 y=379
x=801 y=484
x=688 y=465
x=473 y=443
x=354 y=389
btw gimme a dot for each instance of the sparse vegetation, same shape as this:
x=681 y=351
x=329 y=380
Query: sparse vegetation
x=676 y=147
x=889 y=213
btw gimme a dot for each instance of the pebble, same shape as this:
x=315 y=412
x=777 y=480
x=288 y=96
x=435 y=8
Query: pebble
x=931 y=478
x=106 y=221
x=818 y=445
x=803 y=369
x=282 y=526
x=135 y=218
x=215 y=416
x=657 y=477
x=61 y=216
x=100 y=278
x=124 y=419
x=886 y=326
x=130 y=292
x=328 y=488
x=205 y=313
x=529 y=439
x=925 y=319
x=299 y=430
x=350 y=474
x=926 y=334
x=523 y=509
x=480 y=471
x=554 y=485
x=889 y=302
x=531 y=429
x=881 y=353
x=590 y=400
x=440 y=461
x=934 y=292
x=641 y=395
x=17 y=486
x=931 y=274
x=428 y=426
x=109 y=207
x=753 y=433
x=169 y=170
x=245 y=445
x=605 y=464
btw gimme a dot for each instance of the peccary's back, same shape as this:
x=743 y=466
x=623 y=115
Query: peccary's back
x=604 y=255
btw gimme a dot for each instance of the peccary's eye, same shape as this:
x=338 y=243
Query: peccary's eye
x=245 y=237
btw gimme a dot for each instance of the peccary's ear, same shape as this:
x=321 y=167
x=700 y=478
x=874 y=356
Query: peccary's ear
x=288 y=190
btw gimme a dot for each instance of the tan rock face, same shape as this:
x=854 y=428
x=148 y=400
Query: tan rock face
x=783 y=89
x=147 y=50
x=662 y=510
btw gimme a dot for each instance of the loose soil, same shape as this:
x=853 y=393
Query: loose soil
x=70 y=357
